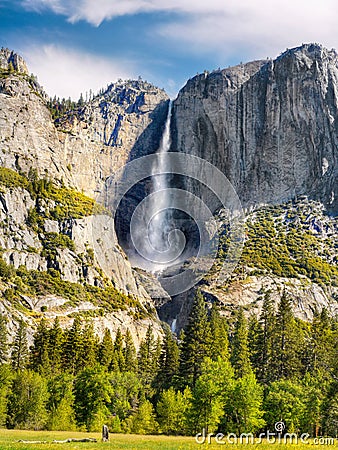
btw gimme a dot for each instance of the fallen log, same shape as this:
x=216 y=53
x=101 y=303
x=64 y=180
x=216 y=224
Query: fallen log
x=75 y=440
x=66 y=441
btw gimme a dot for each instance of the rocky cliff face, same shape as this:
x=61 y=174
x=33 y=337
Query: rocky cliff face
x=291 y=247
x=87 y=144
x=80 y=150
x=11 y=61
x=270 y=126
x=122 y=123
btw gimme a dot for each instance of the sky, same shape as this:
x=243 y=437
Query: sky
x=77 y=45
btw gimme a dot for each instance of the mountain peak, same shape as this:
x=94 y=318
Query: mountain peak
x=9 y=59
x=311 y=50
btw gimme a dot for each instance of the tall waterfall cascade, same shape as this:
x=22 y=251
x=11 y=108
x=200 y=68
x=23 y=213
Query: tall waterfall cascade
x=160 y=212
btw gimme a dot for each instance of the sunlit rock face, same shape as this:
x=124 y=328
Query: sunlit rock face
x=270 y=126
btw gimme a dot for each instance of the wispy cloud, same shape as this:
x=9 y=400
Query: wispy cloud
x=258 y=29
x=253 y=28
x=67 y=73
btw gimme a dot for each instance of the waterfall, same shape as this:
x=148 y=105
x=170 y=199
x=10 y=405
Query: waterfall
x=157 y=242
x=160 y=212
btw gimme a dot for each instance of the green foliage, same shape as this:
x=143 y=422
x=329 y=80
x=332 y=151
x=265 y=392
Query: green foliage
x=55 y=346
x=59 y=107
x=262 y=341
x=68 y=202
x=208 y=395
x=172 y=409
x=148 y=361
x=61 y=403
x=143 y=421
x=240 y=350
x=5 y=386
x=126 y=392
x=6 y=271
x=285 y=401
x=129 y=353
x=219 y=334
x=280 y=240
x=36 y=283
x=288 y=342
x=3 y=339
x=39 y=352
x=27 y=401
x=70 y=386
x=74 y=356
x=169 y=361
x=118 y=361
x=196 y=344
x=54 y=241
x=92 y=395
x=19 y=354
x=106 y=350
x=246 y=412
x=11 y=179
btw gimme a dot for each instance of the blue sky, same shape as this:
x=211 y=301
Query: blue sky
x=77 y=45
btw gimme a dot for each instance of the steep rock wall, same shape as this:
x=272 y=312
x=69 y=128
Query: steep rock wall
x=270 y=126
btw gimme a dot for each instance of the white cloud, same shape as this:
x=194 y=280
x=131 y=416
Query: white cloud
x=258 y=29
x=96 y=11
x=67 y=73
x=252 y=28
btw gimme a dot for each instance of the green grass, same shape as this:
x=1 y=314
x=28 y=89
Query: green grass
x=9 y=440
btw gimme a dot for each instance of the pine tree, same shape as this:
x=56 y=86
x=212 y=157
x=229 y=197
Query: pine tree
x=254 y=341
x=89 y=346
x=322 y=352
x=146 y=361
x=56 y=341
x=286 y=362
x=219 y=334
x=3 y=339
x=106 y=350
x=169 y=361
x=61 y=403
x=118 y=358
x=73 y=349
x=196 y=343
x=129 y=353
x=20 y=353
x=39 y=354
x=240 y=349
x=266 y=338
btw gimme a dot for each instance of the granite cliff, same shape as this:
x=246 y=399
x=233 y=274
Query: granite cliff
x=72 y=154
x=270 y=126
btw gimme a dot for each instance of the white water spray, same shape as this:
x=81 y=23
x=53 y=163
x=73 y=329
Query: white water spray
x=160 y=211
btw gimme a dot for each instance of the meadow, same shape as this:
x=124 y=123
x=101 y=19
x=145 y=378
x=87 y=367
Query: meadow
x=9 y=439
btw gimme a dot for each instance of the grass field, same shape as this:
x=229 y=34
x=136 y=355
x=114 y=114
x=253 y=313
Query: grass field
x=9 y=440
